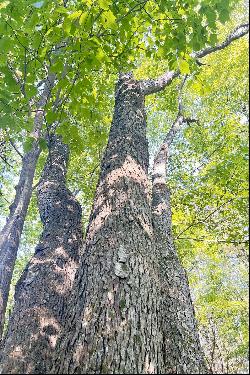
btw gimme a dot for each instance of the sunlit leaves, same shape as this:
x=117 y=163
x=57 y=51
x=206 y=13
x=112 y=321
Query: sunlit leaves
x=184 y=67
x=104 y=4
x=4 y=4
x=86 y=44
x=86 y=35
x=108 y=20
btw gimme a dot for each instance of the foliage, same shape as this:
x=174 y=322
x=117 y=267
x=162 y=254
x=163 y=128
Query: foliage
x=85 y=43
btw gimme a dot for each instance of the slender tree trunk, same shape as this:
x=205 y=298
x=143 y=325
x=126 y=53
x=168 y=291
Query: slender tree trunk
x=114 y=327
x=181 y=346
x=11 y=232
x=43 y=291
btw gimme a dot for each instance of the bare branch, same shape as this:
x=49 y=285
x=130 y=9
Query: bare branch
x=152 y=86
x=15 y=148
x=161 y=158
x=6 y=161
x=209 y=240
x=195 y=223
x=181 y=119
x=237 y=33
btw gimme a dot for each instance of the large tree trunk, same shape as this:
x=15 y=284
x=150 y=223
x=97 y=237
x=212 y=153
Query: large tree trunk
x=11 y=232
x=114 y=326
x=43 y=291
x=121 y=316
x=181 y=345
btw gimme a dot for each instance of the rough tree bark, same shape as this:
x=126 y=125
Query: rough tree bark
x=114 y=322
x=118 y=320
x=181 y=345
x=114 y=328
x=11 y=232
x=45 y=285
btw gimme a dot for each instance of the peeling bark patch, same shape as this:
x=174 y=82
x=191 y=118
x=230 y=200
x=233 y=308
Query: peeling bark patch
x=121 y=270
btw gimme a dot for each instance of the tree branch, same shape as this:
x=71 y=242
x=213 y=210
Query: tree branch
x=209 y=240
x=237 y=33
x=15 y=148
x=161 y=159
x=152 y=86
x=195 y=223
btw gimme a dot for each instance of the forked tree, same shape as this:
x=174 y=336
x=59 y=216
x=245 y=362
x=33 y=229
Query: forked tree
x=129 y=309
x=119 y=302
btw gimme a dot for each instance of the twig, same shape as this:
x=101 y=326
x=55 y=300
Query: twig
x=15 y=148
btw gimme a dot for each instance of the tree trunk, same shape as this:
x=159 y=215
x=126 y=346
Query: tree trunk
x=44 y=288
x=123 y=316
x=181 y=346
x=114 y=327
x=11 y=232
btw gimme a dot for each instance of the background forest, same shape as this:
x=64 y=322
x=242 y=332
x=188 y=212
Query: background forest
x=208 y=171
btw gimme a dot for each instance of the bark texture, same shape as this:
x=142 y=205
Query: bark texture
x=181 y=346
x=114 y=327
x=11 y=232
x=43 y=290
x=130 y=310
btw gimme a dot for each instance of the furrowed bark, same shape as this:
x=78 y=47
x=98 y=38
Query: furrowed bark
x=11 y=232
x=43 y=290
x=114 y=326
x=181 y=345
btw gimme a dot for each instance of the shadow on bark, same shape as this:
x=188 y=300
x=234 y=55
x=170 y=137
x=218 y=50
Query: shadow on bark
x=45 y=286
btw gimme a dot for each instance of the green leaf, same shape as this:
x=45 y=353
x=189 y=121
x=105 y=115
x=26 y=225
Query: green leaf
x=28 y=143
x=100 y=55
x=5 y=121
x=224 y=15
x=184 y=66
x=31 y=90
x=83 y=18
x=51 y=117
x=75 y=15
x=104 y=4
x=5 y=44
x=108 y=20
x=62 y=10
x=67 y=25
x=42 y=144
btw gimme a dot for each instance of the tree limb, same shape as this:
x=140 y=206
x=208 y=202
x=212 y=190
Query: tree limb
x=15 y=148
x=161 y=158
x=195 y=223
x=152 y=86
x=209 y=240
x=237 y=33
